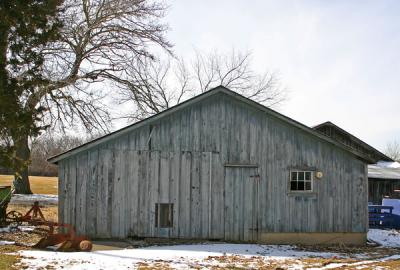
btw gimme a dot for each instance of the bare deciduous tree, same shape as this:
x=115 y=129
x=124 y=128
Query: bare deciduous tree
x=392 y=150
x=99 y=39
x=154 y=86
x=49 y=145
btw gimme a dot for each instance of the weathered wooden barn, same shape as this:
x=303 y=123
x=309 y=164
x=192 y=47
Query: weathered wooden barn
x=218 y=166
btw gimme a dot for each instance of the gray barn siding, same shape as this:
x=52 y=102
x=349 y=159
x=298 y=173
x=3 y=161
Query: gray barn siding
x=111 y=190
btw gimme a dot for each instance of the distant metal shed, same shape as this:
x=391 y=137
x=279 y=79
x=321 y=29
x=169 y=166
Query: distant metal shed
x=383 y=181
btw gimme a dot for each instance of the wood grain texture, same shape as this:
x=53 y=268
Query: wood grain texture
x=180 y=159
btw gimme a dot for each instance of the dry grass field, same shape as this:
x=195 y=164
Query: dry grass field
x=50 y=213
x=39 y=184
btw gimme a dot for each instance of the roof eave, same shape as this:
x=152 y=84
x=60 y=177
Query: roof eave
x=329 y=123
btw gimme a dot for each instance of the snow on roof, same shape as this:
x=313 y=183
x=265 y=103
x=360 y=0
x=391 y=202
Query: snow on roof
x=388 y=164
x=384 y=170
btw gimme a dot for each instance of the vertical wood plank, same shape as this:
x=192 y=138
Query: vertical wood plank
x=175 y=193
x=195 y=199
x=92 y=186
x=143 y=207
x=184 y=198
x=72 y=191
x=81 y=179
x=205 y=194
x=154 y=191
x=61 y=191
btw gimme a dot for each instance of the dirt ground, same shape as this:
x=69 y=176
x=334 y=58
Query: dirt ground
x=23 y=239
x=39 y=184
x=371 y=255
x=350 y=258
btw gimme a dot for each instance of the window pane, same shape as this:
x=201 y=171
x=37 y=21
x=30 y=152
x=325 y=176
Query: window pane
x=308 y=185
x=301 y=180
x=156 y=217
x=164 y=217
x=300 y=185
x=293 y=185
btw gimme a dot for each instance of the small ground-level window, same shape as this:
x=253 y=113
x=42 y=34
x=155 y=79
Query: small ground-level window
x=164 y=215
x=301 y=180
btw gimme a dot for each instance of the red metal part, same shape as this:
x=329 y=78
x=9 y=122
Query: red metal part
x=32 y=217
x=69 y=241
x=37 y=214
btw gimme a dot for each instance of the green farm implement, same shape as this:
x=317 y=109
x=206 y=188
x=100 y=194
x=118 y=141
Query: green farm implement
x=5 y=197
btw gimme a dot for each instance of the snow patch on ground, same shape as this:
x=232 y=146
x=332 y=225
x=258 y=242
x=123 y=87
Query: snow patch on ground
x=178 y=257
x=358 y=265
x=6 y=229
x=10 y=228
x=386 y=238
x=3 y=243
x=43 y=199
x=207 y=256
x=26 y=228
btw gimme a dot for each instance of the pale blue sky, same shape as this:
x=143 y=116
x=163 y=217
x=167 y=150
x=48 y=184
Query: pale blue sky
x=339 y=59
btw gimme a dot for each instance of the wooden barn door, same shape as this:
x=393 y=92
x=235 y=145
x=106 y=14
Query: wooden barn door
x=241 y=204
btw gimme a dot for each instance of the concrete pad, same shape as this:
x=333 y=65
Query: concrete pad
x=110 y=245
x=356 y=239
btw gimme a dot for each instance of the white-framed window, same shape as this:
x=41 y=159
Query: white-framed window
x=164 y=215
x=301 y=180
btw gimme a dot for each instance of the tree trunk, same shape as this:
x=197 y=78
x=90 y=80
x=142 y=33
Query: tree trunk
x=23 y=153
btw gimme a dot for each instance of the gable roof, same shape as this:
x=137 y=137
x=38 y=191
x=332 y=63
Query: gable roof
x=196 y=99
x=366 y=148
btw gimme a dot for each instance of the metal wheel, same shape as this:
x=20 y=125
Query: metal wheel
x=14 y=218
